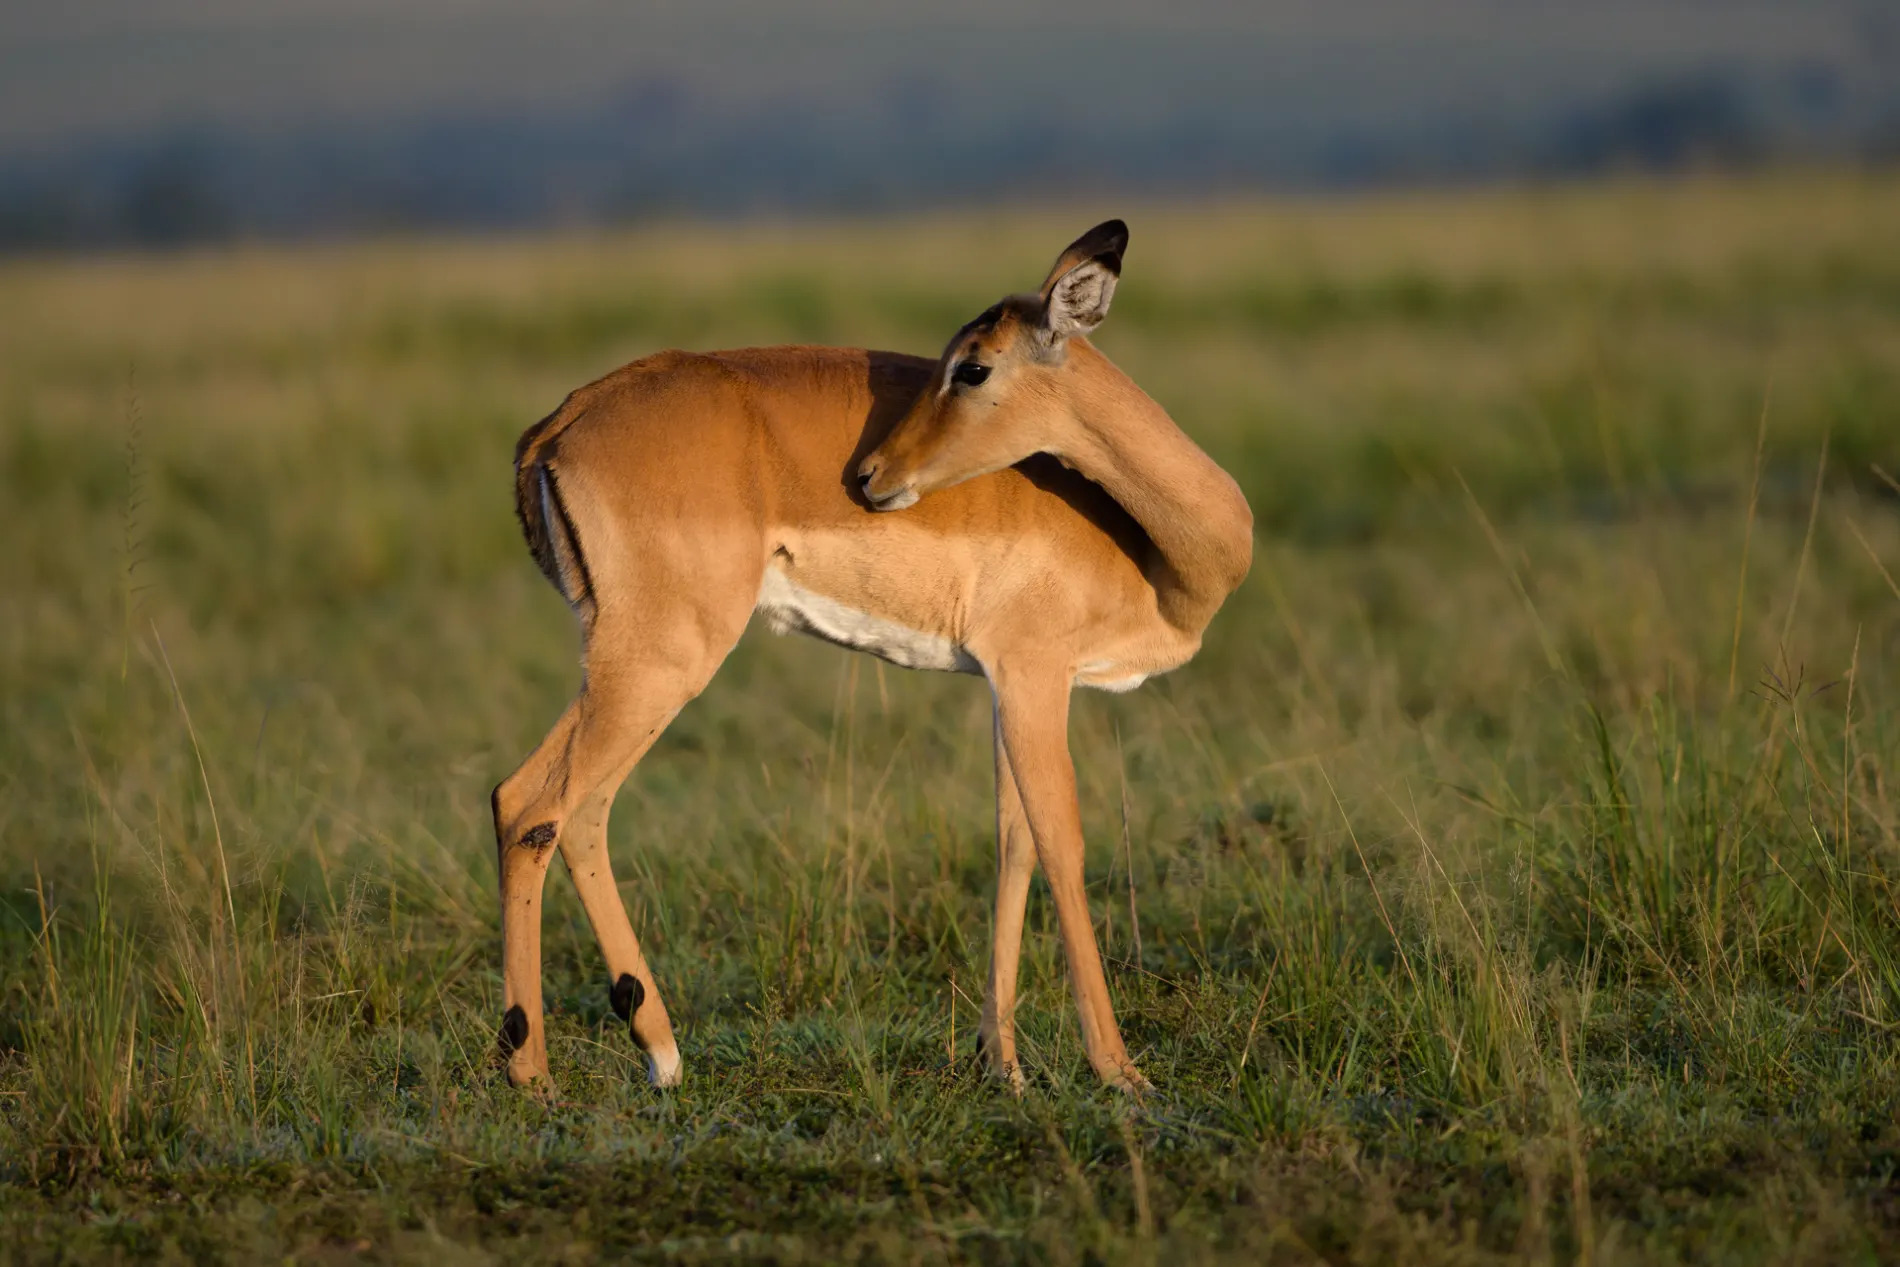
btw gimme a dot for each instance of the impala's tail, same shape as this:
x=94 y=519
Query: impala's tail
x=544 y=517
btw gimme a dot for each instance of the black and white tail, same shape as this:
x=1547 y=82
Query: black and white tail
x=544 y=517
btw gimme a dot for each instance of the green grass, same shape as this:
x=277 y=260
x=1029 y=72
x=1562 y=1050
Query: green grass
x=1511 y=878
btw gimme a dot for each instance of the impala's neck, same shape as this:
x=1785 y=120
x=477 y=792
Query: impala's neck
x=1190 y=508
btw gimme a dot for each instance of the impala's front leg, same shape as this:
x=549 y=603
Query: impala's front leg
x=1033 y=708
x=1015 y=867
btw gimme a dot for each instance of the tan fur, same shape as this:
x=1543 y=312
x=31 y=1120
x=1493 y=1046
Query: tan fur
x=1094 y=549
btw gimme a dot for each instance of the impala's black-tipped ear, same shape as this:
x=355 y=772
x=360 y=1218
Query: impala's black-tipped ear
x=1077 y=292
x=1105 y=244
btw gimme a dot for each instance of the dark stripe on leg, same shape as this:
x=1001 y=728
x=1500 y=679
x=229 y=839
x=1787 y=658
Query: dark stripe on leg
x=627 y=995
x=514 y=1031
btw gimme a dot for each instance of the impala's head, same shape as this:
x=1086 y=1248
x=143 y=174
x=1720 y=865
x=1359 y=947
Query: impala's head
x=999 y=393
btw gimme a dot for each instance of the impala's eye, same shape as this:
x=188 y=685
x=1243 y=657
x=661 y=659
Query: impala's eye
x=969 y=374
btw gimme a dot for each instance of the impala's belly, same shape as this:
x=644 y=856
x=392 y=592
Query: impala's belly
x=790 y=608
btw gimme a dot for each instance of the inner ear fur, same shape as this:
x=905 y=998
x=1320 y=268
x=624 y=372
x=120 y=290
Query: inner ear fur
x=1077 y=292
x=1104 y=244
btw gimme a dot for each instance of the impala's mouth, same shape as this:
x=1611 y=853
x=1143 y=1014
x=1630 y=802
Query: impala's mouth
x=896 y=499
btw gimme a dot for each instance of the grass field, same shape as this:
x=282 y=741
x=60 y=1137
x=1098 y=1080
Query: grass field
x=1513 y=876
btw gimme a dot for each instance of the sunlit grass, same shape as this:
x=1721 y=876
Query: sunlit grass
x=1511 y=876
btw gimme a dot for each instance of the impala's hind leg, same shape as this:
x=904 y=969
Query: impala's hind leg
x=522 y=859
x=631 y=989
x=639 y=674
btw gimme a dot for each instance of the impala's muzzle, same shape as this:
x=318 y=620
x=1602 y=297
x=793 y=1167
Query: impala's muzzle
x=880 y=492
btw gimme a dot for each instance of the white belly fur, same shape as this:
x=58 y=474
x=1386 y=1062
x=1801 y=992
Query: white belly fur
x=1106 y=676
x=789 y=608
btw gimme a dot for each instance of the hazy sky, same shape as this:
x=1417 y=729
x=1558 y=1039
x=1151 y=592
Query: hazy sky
x=99 y=68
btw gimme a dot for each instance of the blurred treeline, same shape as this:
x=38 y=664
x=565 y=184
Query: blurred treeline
x=665 y=146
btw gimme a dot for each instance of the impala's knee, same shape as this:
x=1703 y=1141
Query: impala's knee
x=511 y=809
x=627 y=995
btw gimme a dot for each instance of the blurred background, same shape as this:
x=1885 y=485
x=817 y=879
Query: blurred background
x=168 y=121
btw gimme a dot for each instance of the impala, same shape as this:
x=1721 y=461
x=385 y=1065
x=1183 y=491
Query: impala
x=1017 y=508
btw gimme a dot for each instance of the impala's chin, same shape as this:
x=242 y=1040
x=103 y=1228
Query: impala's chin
x=896 y=499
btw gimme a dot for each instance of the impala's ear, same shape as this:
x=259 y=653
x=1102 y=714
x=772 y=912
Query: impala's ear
x=1075 y=296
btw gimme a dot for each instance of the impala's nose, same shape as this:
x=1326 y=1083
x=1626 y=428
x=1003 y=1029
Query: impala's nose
x=866 y=474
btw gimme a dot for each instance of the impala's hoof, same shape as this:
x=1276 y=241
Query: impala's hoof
x=525 y=1055
x=664 y=1067
x=531 y=1078
x=1010 y=1074
x=995 y=1065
